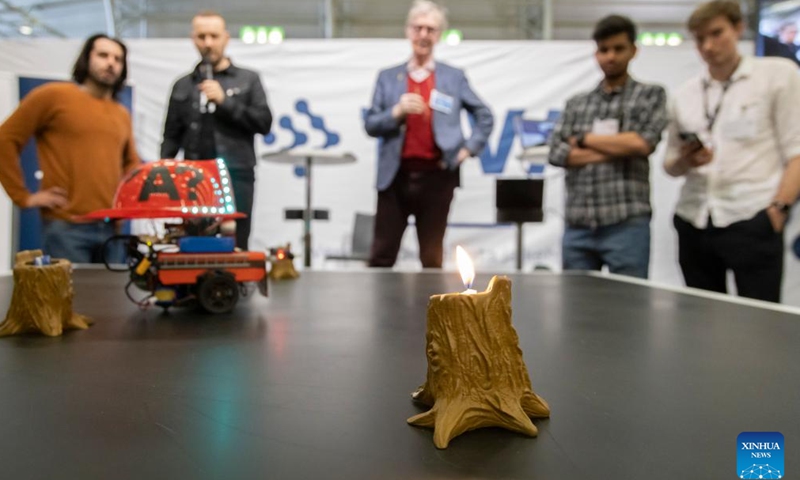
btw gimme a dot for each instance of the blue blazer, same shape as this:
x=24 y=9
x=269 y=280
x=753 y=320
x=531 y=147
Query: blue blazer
x=451 y=81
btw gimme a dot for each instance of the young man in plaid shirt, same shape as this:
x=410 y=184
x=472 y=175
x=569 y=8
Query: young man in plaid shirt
x=603 y=140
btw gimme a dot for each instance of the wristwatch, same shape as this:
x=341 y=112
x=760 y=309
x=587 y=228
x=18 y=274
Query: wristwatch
x=579 y=139
x=782 y=207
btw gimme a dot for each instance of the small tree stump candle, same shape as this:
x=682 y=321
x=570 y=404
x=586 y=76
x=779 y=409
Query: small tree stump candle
x=476 y=376
x=42 y=298
x=282 y=264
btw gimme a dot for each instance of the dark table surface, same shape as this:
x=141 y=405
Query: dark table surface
x=314 y=383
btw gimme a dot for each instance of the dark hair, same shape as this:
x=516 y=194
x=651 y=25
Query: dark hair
x=80 y=71
x=713 y=9
x=614 y=25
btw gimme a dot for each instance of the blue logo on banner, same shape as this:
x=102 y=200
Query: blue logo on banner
x=495 y=162
x=300 y=137
x=531 y=133
x=759 y=455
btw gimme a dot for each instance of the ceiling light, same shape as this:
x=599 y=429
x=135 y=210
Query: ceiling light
x=452 y=37
x=276 y=35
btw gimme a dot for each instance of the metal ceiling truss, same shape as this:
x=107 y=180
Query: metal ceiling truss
x=336 y=18
x=29 y=19
x=130 y=17
x=523 y=19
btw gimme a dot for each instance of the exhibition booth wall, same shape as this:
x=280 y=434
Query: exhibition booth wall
x=318 y=90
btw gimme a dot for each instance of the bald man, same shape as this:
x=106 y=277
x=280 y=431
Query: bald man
x=215 y=111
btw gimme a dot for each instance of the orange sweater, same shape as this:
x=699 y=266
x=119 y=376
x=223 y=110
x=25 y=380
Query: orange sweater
x=85 y=145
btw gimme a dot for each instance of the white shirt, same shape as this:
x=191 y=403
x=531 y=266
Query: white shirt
x=755 y=133
x=419 y=73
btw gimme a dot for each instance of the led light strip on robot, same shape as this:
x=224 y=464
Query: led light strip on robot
x=224 y=193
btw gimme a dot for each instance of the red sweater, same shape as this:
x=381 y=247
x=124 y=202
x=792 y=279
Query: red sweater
x=419 y=148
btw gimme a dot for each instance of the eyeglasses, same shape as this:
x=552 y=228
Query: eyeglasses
x=424 y=28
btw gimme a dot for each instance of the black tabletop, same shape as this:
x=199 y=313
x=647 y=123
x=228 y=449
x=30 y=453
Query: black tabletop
x=314 y=383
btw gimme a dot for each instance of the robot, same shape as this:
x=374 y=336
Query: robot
x=191 y=261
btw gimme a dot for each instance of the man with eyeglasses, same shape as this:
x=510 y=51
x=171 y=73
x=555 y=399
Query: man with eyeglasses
x=416 y=112
x=735 y=138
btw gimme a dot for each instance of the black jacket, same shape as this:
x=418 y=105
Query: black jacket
x=243 y=114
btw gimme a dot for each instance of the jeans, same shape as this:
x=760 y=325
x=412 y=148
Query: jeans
x=623 y=247
x=80 y=242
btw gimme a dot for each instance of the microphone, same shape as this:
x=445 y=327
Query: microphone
x=207 y=73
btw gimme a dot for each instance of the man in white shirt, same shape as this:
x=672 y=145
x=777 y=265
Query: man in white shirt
x=734 y=135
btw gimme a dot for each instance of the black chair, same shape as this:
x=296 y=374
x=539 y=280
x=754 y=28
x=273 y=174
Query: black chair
x=361 y=242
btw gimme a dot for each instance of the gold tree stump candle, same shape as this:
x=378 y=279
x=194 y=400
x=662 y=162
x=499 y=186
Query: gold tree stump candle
x=42 y=298
x=282 y=264
x=476 y=375
x=283 y=270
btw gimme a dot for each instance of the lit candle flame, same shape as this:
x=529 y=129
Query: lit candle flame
x=465 y=268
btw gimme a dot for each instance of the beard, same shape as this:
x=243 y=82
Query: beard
x=615 y=73
x=212 y=57
x=104 y=78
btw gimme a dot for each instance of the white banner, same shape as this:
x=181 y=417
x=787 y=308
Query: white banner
x=317 y=91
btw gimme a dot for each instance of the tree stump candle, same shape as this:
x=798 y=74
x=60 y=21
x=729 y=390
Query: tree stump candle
x=476 y=376
x=282 y=264
x=42 y=298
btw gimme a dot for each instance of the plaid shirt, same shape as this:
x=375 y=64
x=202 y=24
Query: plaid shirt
x=607 y=193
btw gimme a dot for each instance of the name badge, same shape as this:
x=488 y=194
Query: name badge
x=441 y=102
x=742 y=128
x=608 y=126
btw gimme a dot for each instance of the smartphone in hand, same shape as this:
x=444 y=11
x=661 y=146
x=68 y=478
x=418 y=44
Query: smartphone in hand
x=691 y=138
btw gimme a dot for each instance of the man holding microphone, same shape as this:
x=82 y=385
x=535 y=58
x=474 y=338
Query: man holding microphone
x=215 y=111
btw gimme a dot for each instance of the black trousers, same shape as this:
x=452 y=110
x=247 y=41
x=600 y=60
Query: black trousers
x=750 y=248
x=426 y=195
x=243 y=182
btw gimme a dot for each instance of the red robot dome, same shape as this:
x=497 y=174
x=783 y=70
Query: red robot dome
x=174 y=189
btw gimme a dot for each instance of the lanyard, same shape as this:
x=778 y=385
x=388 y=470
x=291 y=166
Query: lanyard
x=711 y=118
